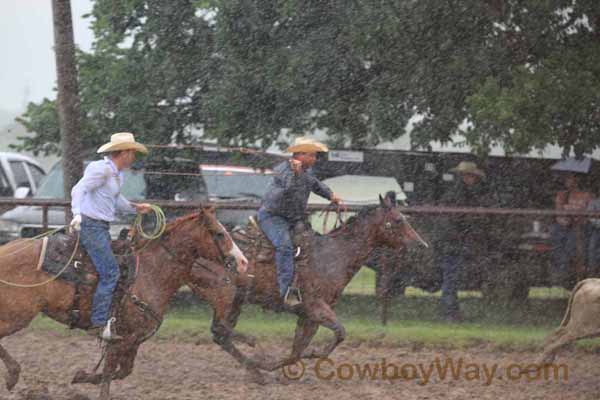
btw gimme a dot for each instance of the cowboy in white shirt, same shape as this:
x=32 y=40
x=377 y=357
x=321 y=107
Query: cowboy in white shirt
x=95 y=200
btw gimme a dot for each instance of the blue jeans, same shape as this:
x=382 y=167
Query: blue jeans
x=95 y=239
x=564 y=243
x=277 y=230
x=451 y=265
x=594 y=250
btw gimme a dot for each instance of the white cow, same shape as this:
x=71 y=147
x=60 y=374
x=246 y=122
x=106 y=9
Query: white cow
x=581 y=319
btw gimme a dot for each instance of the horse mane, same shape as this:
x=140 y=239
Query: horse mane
x=355 y=218
x=178 y=221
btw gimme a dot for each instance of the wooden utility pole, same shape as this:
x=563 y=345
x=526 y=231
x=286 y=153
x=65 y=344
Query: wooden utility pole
x=68 y=96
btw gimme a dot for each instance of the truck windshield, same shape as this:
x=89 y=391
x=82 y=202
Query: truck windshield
x=227 y=185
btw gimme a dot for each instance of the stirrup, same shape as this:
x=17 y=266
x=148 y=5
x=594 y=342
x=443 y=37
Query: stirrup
x=105 y=333
x=293 y=296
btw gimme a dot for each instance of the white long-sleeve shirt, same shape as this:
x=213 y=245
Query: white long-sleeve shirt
x=98 y=194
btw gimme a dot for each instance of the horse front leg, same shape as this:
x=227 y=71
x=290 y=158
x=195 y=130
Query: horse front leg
x=13 y=369
x=305 y=331
x=126 y=362
x=110 y=366
x=324 y=315
x=112 y=360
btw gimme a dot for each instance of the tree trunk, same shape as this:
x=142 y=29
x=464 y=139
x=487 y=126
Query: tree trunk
x=68 y=96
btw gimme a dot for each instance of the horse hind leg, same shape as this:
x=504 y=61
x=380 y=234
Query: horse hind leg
x=559 y=340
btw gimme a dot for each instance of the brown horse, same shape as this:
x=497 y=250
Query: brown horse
x=193 y=248
x=337 y=257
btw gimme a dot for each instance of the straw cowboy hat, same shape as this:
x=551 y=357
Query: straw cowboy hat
x=468 y=167
x=305 y=145
x=122 y=141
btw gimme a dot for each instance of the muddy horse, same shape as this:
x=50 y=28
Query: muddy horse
x=335 y=259
x=194 y=249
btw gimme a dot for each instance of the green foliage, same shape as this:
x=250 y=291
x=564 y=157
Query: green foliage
x=523 y=73
x=43 y=120
x=149 y=72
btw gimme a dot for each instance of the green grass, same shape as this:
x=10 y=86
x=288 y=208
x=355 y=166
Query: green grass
x=364 y=283
x=414 y=320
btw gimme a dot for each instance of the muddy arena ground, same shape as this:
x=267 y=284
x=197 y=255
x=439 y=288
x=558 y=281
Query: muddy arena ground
x=185 y=370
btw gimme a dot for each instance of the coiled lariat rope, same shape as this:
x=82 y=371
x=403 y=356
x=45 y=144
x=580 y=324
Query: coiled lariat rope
x=159 y=226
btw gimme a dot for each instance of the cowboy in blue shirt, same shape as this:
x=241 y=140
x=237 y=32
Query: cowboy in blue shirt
x=285 y=204
x=95 y=200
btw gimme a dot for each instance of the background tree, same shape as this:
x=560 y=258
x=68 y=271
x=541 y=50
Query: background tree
x=149 y=71
x=68 y=96
x=521 y=73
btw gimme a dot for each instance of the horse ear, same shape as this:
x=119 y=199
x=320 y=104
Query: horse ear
x=207 y=210
x=381 y=201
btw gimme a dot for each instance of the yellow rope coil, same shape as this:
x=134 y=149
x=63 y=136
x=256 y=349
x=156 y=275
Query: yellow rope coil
x=159 y=226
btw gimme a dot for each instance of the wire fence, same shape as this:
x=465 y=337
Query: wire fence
x=517 y=265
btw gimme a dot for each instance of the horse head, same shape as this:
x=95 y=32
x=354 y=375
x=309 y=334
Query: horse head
x=393 y=228
x=208 y=239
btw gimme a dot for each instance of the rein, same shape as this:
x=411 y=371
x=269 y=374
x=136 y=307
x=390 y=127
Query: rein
x=340 y=208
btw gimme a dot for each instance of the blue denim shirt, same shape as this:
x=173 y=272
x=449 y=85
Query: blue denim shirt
x=98 y=193
x=287 y=195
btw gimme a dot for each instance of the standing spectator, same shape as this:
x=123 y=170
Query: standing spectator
x=462 y=237
x=594 y=243
x=566 y=230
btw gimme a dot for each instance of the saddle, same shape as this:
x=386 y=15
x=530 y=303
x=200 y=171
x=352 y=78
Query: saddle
x=252 y=240
x=59 y=250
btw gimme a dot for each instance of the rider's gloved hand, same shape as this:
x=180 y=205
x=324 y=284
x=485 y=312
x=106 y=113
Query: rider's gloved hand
x=75 y=225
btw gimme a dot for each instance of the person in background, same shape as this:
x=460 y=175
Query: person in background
x=462 y=237
x=566 y=230
x=594 y=241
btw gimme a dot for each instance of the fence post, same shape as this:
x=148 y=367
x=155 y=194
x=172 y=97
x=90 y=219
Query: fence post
x=580 y=265
x=44 y=218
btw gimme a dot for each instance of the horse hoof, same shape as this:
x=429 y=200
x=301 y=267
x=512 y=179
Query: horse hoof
x=255 y=376
x=251 y=341
x=80 y=377
x=11 y=381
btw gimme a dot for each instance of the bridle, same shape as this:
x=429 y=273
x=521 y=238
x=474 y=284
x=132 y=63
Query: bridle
x=204 y=262
x=404 y=219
